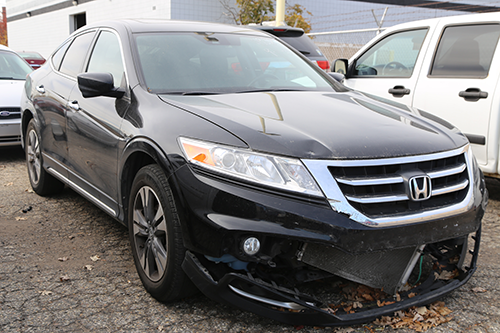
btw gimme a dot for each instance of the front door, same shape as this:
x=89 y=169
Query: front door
x=94 y=128
x=389 y=68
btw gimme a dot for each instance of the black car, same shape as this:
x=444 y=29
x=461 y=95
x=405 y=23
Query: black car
x=297 y=38
x=243 y=170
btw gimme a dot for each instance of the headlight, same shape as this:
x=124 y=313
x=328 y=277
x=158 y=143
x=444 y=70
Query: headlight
x=285 y=173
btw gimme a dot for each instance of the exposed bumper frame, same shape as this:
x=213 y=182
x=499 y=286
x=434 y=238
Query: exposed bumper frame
x=310 y=314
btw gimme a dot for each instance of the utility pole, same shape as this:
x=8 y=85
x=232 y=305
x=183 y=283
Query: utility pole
x=280 y=13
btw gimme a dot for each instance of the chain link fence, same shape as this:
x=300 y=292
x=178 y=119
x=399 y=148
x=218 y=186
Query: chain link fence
x=340 y=28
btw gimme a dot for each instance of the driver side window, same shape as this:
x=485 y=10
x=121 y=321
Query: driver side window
x=107 y=57
x=393 y=56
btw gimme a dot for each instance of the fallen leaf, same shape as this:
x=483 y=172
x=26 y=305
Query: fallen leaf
x=421 y=310
x=345 y=330
x=88 y=267
x=479 y=290
x=383 y=321
x=64 y=278
x=357 y=305
x=95 y=258
x=418 y=317
x=8 y=184
x=446 y=275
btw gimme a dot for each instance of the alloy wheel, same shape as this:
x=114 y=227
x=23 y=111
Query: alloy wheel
x=150 y=233
x=33 y=157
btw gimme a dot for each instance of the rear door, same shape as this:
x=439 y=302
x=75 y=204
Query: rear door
x=459 y=80
x=390 y=68
x=51 y=100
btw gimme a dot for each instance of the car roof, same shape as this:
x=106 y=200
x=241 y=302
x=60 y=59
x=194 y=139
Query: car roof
x=158 y=25
x=5 y=48
x=466 y=18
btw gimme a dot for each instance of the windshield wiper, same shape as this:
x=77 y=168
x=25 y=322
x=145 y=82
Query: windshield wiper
x=201 y=93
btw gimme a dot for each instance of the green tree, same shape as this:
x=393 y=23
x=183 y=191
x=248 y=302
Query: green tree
x=249 y=11
x=294 y=17
x=258 y=11
x=3 y=37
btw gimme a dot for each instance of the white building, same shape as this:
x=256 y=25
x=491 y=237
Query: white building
x=42 y=25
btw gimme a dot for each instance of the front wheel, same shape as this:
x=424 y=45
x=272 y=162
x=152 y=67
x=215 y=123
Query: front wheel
x=156 y=237
x=41 y=181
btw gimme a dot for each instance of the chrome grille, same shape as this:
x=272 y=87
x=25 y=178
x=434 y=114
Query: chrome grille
x=376 y=192
x=10 y=113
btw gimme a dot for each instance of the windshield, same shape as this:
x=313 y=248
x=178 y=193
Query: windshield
x=201 y=63
x=13 y=67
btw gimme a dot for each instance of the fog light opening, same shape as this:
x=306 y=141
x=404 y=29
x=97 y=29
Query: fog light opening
x=251 y=246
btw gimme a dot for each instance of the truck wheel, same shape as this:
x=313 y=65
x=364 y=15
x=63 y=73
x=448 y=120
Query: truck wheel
x=156 y=237
x=41 y=181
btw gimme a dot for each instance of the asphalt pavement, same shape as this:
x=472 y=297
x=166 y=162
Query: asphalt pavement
x=66 y=266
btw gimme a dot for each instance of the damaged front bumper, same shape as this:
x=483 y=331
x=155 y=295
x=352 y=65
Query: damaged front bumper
x=290 y=305
x=314 y=257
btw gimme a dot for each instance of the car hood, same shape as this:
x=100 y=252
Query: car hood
x=10 y=92
x=321 y=125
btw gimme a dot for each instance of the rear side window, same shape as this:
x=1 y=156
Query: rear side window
x=58 y=56
x=73 y=60
x=465 y=51
x=393 y=56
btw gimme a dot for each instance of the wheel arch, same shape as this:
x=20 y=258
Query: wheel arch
x=138 y=154
x=27 y=115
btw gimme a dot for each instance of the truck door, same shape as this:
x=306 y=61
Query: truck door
x=458 y=82
x=389 y=68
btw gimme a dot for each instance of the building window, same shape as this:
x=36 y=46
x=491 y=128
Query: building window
x=77 y=21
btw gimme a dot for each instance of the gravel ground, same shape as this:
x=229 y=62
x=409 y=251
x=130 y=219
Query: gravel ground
x=67 y=267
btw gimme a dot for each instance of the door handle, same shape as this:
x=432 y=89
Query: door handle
x=40 y=89
x=74 y=105
x=473 y=94
x=399 y=91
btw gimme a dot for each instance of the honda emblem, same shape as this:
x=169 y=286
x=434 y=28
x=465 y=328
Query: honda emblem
x=420 y=188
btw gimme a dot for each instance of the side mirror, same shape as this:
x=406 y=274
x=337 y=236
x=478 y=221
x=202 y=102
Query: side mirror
x=340 y=66
x=337 y=76
x=98 y=84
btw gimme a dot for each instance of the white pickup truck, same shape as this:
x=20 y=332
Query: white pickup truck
x=449 y=67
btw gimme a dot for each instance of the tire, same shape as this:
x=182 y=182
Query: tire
x=156 y=237
x=41 y=181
